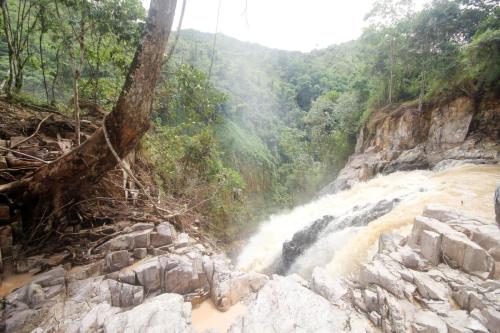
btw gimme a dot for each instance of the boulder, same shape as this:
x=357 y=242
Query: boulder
x=423 y=223
x=429 y=288
x=122 y=242
x=182 y=240
x=375 y=318
x=460 y=252
x=117 y=260
x=163 y=313
x=283 y=305
x=430 y=246
x=459 y=321
x=94 y=320
x=179 y=279
x=51 y=278
x=164 y=235
x=140 y=239
x=412 y=159
x=488 y=237
x=492 y=319
x=127 y=275
x=333 y=290
x=124 y=294
x=440 y=213
x=389 y=242
x=377 y=273
x=140 y=253
x=229 y=289
x=410 y=259
x=302 y=240
x=148 y=274
x=428 y=322
x=86 y=271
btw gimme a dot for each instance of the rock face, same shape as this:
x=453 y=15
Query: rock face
x=166 y=312
x=302 y=240
x=283 y=305
x=229 y=287
x=306 y=237
x=400 y=137
x=85 y=300
x=442 y=266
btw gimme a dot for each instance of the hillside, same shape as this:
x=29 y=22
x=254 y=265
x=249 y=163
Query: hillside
x=237 y=188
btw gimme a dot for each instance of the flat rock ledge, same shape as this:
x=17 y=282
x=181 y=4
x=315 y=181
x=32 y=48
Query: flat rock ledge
x=442 y=278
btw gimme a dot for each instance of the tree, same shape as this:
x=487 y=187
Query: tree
x=57 y=183
x=386 y=14
x=17 y=34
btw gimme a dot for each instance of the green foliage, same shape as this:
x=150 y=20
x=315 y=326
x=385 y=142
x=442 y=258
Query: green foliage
x=269 y=127
x=108 y=29
x=481 y=57
x=185 y=152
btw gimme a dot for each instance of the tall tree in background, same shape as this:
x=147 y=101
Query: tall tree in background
x=386 y=14
x=18 y=27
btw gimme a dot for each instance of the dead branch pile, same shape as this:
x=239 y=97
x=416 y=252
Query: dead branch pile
x=32 y=136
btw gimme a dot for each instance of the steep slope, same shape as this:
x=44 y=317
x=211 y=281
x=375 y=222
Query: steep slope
x=400 y=137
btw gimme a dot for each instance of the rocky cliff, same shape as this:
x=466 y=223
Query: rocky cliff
x=400 y=137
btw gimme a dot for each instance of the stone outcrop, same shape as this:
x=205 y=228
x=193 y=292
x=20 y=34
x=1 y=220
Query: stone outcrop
x=442 y=277
x=157 y=288
x=417 y=284
x=400 y=137
x=166 y=312
x=284 y=305
x=227 y=287
x=306 y=237
x=301 y=240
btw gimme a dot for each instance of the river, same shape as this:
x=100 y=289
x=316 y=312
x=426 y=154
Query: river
x=468 y=189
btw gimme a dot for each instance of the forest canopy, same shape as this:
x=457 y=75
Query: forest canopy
x=248 y=128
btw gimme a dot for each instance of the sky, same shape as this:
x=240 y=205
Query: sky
x=296 y=25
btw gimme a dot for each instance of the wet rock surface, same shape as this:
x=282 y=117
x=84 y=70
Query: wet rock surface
x=306 y=237
x=429 y=282
x=443 y=277
x=302 y=240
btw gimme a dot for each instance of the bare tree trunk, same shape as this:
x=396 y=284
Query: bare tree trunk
x=178 y=33
x=63 y=180
x=76 y=106
x=10 y=46
x=422 y=91
x=54 y=79
x=391 y=75
x=40 y=46
x=213 y=46
x=77 y=74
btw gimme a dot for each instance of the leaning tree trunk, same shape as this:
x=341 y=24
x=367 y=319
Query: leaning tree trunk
x=58 y=183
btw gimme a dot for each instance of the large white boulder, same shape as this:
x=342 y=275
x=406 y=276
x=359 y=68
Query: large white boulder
x=283 y=305
x=164 y=313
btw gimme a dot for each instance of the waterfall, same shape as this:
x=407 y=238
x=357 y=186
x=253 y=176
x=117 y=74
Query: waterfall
x=342 y=247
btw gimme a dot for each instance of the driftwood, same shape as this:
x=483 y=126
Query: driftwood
x=32 y=135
